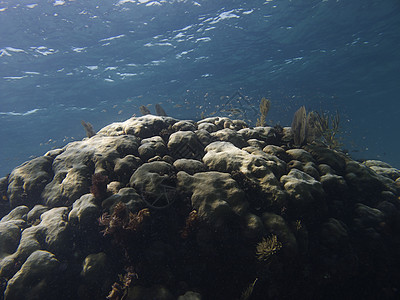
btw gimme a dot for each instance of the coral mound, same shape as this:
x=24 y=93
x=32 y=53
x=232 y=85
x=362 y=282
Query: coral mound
x=158 y=208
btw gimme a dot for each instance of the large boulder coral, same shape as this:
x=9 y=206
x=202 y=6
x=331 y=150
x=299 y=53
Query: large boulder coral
x=151 y=147
x=324 y=155
x=229 y=135
x=184 y=125
x=225 y=157
x=383 y=168
x=27 y=181
x=185 y=144
x=268 y=135
x=190 y=166
x=215 y=195
x=36 y=279
x=142 y=127
x=10 y=234
x=219 y=122
x=126 y=195
x=277 y=165
x=52 y=234
x=306 y=193
x=94 y=276
x=363 y=181
x=79 y=160
x=276 y=224
x=155 y=182
x=85 y=211
x=209 y=127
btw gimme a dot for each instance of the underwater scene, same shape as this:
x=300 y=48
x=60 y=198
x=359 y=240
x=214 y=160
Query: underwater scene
x=189 y=150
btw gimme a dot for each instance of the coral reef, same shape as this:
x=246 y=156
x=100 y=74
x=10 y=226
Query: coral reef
x=160 y=208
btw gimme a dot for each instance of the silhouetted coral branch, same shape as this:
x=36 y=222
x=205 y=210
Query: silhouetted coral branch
x=160 y=111
x=264 y=109
x=144 y=110
x=299 y=126
x=328 y=128
x=315 y=126
x=88 y=128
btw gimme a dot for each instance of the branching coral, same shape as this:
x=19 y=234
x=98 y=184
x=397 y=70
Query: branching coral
x=119 y=291
x=123 y=226
x=268 y=247
x=314 y=127
x=122 y=220
x=328 y=128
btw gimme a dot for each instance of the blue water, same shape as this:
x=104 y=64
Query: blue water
x=66 y=61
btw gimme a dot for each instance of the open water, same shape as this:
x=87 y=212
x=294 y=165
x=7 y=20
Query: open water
x=66 y=61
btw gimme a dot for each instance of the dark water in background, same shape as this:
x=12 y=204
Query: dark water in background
x=64 y=61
